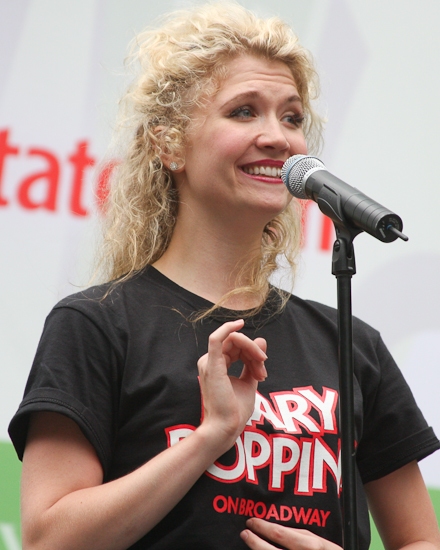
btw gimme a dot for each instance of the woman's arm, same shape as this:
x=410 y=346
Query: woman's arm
x=399 y=503
x=402 y=510
x=66 y=506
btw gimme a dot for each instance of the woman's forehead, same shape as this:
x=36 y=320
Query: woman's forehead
x=248 y=69
x=247 y=75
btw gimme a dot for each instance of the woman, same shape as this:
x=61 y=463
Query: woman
x=133 y=430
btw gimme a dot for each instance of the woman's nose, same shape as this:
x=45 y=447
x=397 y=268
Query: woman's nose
x=272 y=136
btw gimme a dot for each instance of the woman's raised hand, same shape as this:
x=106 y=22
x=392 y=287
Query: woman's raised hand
x=228 y=401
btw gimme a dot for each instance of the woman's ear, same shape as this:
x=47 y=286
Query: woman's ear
x=170 y=159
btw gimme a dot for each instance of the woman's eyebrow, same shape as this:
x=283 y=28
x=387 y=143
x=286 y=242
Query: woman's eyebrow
x=243 y=96
x=294 y=99
x=254 y=94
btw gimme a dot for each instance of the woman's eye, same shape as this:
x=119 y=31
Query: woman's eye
x=241 y=112
x=295 y=119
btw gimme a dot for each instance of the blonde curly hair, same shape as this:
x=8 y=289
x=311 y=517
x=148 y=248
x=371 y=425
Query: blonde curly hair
x=178 y=66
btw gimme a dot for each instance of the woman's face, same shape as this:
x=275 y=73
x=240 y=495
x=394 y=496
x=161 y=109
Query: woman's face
x=239 y=140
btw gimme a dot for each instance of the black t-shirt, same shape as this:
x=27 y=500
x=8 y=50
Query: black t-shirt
x=123 y=366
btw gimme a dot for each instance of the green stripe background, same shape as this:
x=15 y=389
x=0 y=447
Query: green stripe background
x=9 y=495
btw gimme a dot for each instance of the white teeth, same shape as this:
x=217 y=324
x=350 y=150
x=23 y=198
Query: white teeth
x=270 y=171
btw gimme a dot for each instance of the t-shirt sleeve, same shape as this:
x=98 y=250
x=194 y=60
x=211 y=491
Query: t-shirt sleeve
x=75 y=373
x=394 y=429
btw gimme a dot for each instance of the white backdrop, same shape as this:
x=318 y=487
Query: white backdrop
x=60 y=76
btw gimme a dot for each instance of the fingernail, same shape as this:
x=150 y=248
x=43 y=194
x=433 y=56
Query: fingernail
x=244 y=535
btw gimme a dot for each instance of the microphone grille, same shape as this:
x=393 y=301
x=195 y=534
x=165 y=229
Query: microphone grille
x=295 y=170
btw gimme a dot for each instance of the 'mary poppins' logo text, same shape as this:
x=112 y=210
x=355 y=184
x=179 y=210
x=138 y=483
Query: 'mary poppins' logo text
x=296 y=446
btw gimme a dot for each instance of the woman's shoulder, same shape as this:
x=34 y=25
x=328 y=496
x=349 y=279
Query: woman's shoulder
x=111 y=294
x=101 y=297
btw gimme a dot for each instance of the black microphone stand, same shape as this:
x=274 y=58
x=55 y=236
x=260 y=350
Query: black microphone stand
x=344 y=267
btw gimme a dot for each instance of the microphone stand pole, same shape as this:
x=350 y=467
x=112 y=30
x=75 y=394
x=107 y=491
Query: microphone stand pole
x=344 y=267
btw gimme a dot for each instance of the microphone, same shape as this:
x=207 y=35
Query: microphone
x=307 y=178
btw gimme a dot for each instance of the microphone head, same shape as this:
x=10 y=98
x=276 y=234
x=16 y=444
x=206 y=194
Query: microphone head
x=295 y=172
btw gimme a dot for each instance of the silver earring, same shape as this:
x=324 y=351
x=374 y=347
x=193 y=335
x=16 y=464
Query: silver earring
x=174 y=166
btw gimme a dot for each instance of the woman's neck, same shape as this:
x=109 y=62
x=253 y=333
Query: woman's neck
x=207 y=261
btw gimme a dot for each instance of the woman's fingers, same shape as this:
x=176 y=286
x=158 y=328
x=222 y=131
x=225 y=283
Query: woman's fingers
x=226 y=345
x=218 y=340
x=287 y=537
x=261 y=342
x=251 y=352
x=258 y=367
x=271 y=531
x=239 y=346
x=216 y=343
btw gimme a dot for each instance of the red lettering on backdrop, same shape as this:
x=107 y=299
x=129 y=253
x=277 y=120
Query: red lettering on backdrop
x=51 y=175
x=5 y=149
x=80 y=160
x=103 y=186
x=327 y=233
x=304 y=211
